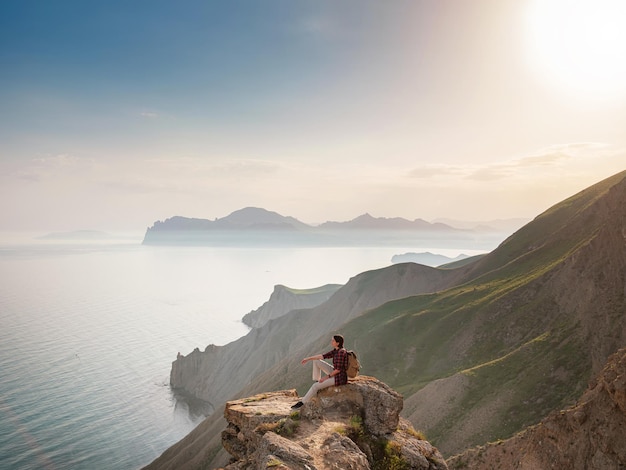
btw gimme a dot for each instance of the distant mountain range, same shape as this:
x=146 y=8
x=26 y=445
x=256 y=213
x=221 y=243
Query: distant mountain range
x=257 y=225
x=249 y=219
x=367 y=222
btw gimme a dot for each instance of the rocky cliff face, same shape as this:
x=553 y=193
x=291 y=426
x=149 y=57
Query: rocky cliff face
x=505 y=342
x=283 y=300
x=588 y=436
x=208 y=375
x=356 y=426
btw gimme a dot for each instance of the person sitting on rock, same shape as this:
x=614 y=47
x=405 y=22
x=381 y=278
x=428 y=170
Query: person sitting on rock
x=335 y=375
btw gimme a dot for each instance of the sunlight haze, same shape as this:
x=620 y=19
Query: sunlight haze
x=116 y=114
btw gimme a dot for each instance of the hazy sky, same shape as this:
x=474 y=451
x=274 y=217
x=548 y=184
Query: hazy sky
x=114 y=114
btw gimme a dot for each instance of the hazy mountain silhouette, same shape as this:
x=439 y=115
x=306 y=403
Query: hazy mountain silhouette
x=367 y=222
x=259 y=226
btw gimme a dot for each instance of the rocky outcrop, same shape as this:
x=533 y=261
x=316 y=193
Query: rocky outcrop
x=355 y=426
x=588 y=436
x=284 y=299
x=377 y=403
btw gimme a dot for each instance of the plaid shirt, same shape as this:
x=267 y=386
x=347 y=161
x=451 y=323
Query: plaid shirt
x=340 y=363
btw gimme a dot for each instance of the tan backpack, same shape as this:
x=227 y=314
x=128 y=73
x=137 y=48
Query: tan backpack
x=354 y=366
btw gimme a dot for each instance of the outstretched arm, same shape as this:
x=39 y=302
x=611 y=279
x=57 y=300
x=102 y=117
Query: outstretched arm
x=312 y=358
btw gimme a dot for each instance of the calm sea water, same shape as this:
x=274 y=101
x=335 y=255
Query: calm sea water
x=88 y=332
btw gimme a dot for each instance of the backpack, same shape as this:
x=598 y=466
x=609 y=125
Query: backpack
x=353 y=365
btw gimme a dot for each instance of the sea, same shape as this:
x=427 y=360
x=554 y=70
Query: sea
x=89 y=329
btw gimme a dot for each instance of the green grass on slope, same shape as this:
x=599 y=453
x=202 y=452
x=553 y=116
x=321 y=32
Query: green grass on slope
x=462 y=262
x=421 y=331
x=521 y=352
x=314 y=290
x=506 y=334
x=412 y=342
x=518 y=389
x=554 y=233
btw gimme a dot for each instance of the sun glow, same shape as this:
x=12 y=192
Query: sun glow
x=579 y=46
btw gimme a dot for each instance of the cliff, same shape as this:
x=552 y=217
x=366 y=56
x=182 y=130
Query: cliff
x=591 y=435
x=480 y=352
x=356 y=426
x=283 y=300
x=208 y=375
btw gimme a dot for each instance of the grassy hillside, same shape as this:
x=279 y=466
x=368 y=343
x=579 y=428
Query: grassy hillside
x=520 y=336
x=481 y=350
x=588 y=435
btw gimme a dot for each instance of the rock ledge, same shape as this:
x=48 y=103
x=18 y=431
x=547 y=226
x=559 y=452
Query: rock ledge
x=355 y=426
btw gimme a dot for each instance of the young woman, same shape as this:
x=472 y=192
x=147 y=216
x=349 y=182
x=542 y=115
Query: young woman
x=335 y=375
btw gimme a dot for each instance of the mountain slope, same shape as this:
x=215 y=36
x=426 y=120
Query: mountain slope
x=277 y=339
x=532 y=322
x=284 y=299
x=589 y=435
x=427 y=258
x=488 y=348
x=255 y=217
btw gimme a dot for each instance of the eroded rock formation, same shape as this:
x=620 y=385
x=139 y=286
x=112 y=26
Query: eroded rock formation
x=284 y=299
x=355 y=426
x=208 y=375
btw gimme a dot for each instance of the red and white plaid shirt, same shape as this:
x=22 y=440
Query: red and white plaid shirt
x=340 y=363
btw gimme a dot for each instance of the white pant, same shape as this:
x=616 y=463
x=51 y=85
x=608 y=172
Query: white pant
x=319 y=366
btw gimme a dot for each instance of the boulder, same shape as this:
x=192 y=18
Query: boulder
x=352 y=427
x=378 y=404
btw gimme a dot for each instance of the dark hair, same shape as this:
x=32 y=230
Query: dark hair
x=339 y=340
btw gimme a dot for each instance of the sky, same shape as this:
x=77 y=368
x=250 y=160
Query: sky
x=116 y=114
